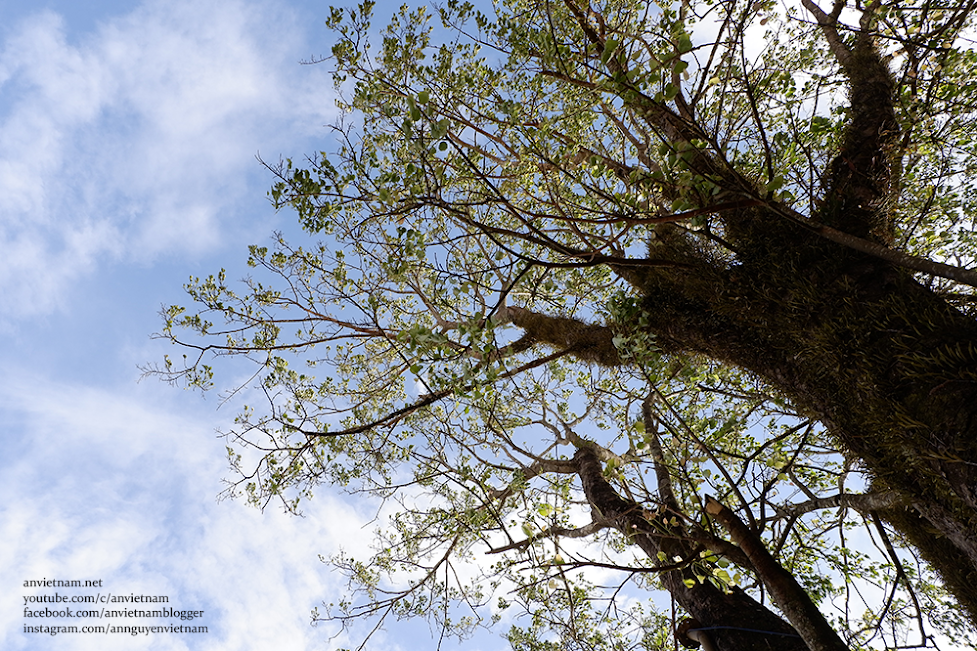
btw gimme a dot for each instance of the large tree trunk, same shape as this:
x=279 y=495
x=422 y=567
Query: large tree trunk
x=887 y=365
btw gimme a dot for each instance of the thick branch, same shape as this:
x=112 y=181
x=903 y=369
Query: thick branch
x=864 y=503
x=585 y=341
x=707 y=603
x=895 y=256
x=863 y=179
x=791 y=598
x=829 y=27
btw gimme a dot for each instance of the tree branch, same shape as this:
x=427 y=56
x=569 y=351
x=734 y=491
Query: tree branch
x=790 y=597
x=863 y=503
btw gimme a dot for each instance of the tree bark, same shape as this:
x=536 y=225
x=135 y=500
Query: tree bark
x=883 y=362
x=792 y=599
x=727 y=613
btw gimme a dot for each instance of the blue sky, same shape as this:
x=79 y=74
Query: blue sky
x=128 y=136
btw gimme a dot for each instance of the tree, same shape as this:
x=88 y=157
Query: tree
x=676 y=292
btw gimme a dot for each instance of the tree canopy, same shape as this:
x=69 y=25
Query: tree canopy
x=653 y=321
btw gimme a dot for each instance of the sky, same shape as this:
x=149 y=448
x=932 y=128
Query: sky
x=128 y=140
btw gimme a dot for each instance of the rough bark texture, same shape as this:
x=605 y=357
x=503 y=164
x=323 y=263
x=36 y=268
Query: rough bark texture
x=587 y=342
x=876 y=357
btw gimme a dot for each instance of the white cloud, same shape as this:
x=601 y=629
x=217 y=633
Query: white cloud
x=105 y=487
x=138 y=139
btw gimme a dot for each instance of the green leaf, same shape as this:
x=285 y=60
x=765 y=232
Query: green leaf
x=610 y=45
x=775 y=184
x=683 y=43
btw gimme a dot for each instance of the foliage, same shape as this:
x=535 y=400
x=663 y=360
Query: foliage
x=560 y=230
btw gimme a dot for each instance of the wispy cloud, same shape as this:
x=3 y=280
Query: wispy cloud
x=138 y=139
x=104 y=486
